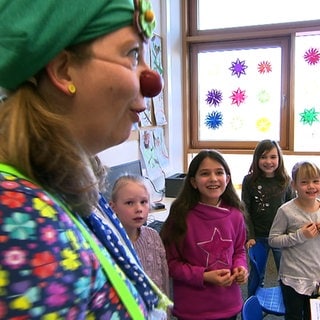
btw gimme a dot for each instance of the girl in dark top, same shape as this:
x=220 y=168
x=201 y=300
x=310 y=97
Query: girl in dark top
x=264 y=189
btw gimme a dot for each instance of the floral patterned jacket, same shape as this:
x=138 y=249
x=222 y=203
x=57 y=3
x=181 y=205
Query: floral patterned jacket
x=47 y=269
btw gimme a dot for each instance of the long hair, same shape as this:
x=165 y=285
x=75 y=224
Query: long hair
x=35 y=139
x=175 y=227
x=280 y=173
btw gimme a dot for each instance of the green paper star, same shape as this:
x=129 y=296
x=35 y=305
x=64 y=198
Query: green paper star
x=309 y=116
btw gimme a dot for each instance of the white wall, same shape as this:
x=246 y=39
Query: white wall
x=168 y=27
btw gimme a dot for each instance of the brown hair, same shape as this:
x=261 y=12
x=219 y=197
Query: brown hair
x=35 y=139
x=175 y=227
x=280 y=173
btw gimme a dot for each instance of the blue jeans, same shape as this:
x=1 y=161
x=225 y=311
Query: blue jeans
x=297 y=305
x=276 y=252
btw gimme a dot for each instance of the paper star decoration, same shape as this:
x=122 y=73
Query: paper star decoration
x=264 y=67
x=238 y=96
x=263 y=96
x=214 y=97
x=236 y=122
x=238 y=68
x=216 y=249
x=309 y=116
x=263 y=124
x=214 y=120
x=312 y=56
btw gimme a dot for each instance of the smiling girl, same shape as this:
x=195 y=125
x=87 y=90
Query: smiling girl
x=204 y=237
x=295 y=230
x=264 y=189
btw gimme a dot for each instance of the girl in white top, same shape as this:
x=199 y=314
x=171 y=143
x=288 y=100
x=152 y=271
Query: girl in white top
x=295 y=230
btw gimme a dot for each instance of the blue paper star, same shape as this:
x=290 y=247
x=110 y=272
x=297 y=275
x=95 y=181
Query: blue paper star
x=214 y=120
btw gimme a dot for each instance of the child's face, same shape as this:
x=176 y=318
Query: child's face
x=307 y=188
x=269 y=162
x=211 y=180
x=132 y=205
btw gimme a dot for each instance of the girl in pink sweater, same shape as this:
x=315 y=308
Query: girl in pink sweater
x=204 y=237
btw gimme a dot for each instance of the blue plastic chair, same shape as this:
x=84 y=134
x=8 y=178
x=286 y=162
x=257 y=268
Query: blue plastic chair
x=270 y=298
x=251 y=309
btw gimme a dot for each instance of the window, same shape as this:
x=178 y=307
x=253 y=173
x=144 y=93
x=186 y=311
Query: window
x=253 y=13
x=253 y=82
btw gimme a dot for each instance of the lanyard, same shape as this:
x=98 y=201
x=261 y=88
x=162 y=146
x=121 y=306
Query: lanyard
x=114 y=277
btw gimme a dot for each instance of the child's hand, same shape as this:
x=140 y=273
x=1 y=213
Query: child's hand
x=310 y=230
x=221 y=277
x=241 y=275
x=250 y=243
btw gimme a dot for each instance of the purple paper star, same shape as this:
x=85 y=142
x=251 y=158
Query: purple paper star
x=238 y=68
x=214 y=97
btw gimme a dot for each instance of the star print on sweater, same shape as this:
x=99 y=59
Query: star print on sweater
x=216 y=249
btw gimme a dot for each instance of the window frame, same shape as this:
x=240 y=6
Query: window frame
x=284 y=43
x=197 y=39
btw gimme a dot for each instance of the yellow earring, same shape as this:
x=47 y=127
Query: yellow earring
x=72 y=89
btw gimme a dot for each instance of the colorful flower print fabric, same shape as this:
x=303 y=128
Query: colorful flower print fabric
x=47 y=269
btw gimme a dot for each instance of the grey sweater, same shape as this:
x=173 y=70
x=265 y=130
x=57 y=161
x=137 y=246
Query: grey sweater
x=300 y=259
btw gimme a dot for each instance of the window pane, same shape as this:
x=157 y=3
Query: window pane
x=307 y=93
x=239 y=94
x=233 y=13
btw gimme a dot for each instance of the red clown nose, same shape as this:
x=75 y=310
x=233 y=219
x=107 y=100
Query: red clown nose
x=150 y=83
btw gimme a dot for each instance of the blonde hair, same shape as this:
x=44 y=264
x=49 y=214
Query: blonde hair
x=35 y=139
x=306 y=170
x=123 y=180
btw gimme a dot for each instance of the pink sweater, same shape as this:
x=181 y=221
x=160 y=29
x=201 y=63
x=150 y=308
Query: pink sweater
x=215 y=240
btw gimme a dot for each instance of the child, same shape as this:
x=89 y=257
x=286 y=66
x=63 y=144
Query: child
x=130 y=199
x=204 y=237
x=264 y=190
x=295 y=230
